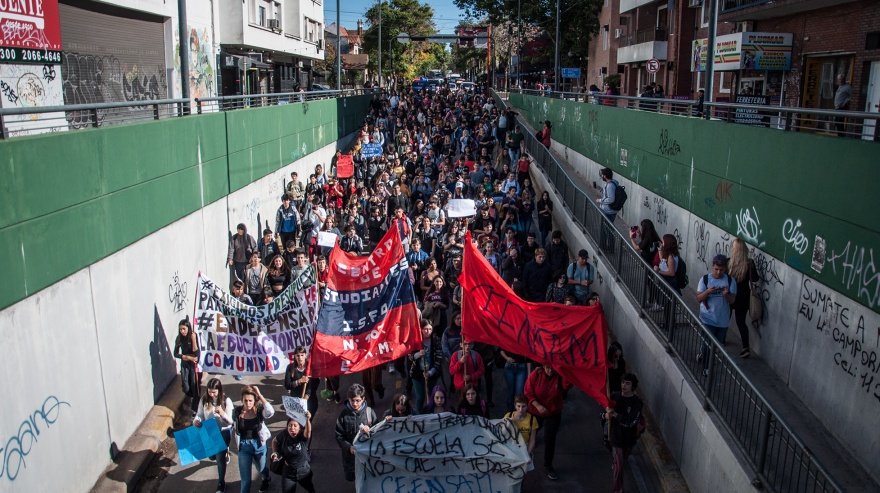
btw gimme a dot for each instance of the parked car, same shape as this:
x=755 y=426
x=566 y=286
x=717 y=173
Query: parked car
x=468 y=86
x=320 y=87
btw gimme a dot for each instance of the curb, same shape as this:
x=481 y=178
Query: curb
x=661 y=459
x=123 y=474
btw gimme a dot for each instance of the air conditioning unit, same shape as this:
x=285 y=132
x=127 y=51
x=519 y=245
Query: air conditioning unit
x=618 y=32
x=274 y=24
x=695 y=3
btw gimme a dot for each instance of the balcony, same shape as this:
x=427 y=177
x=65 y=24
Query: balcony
x=642 y=46
x=741 y=10
x=627 y=5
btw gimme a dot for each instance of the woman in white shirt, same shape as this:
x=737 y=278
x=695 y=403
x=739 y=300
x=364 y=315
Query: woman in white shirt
x=215 y=405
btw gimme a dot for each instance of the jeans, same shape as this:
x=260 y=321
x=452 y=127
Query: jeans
x=250 y=450
x=719 y=334
x=513 y=153
x=550 y=424
x=515 y=375
x=618 y=460
x=606 y=234
x=220 y=457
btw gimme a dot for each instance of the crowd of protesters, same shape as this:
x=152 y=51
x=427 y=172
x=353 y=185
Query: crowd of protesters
x=437 y=146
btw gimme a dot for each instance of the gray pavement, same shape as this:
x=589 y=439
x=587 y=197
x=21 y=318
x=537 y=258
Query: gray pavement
x=582 y=462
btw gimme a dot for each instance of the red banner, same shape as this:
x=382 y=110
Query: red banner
x=571 y=339
x=368 y=312
x=344 y=166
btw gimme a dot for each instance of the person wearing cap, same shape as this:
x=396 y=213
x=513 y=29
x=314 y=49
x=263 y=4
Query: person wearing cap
x=715 y=293
x=580 y=277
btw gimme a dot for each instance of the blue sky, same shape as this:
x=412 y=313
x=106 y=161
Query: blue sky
x=446 y=14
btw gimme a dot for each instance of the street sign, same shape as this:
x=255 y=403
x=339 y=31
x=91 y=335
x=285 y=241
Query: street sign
x=652 y=65
x=571 y=73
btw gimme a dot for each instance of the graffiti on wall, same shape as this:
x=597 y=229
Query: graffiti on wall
x=668 y=145
x=29 y=86
x=748 y=226
x=201 y=72
x=794 y=237
x=701 y=241
x=853 y=341
x=15 y=449
x=177 y=293
x=854 y=265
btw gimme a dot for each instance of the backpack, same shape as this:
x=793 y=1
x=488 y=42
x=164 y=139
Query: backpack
x=681 y=277
x=619 y=198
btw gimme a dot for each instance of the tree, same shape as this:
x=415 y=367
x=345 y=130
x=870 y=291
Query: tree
x=579 y=21
x=400 y=16
x=328 y=64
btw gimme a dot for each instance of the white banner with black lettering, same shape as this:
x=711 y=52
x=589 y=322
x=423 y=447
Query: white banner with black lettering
x=441 y=453
x=240 y=339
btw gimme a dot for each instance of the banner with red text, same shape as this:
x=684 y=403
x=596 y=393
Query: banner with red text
x=572 y=339
x=240 y=339
x=344 y=166
x=368 y=313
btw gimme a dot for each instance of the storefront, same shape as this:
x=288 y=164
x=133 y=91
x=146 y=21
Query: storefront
x=748 y=64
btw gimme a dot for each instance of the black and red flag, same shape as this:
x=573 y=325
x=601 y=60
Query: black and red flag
x=571 y=339
x=368 y=313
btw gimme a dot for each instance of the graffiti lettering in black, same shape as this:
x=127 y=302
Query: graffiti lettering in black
x=668 y=146
x=701 y=240
x=49 y=72
x=9 y=92
x=177 y=293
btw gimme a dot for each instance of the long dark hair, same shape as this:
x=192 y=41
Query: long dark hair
x=215 y=384
x=649 y=233
x=670 y=246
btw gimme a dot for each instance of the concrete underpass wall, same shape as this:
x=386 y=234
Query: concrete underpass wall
x=824 y=345
x=87 y=356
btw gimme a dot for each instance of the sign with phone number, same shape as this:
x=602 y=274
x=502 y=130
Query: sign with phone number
x=27 y=55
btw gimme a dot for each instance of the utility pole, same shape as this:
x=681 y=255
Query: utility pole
x=183 y=34
x=520 y=44
x=338 y=50
x=557 y=85
x=380 y=43
x=710 y=56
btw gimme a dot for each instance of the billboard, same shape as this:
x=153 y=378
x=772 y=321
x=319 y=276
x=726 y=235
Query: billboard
x=30 y=32
x=750 y=51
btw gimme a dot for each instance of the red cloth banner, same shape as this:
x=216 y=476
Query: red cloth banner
x=344 y=166
x=571 y=339
x=368 y=313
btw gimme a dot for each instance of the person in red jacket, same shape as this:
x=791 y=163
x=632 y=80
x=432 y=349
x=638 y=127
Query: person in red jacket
x=545 y=390
x=465 y=367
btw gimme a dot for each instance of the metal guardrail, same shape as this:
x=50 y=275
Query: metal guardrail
x=16 y=122
x=227 y=103
x=852 y=124
x=781 y=460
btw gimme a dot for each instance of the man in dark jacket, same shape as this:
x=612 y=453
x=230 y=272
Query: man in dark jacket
x=537 y=275
x=356 y=416
x=624 y=427
x=241 y=246
x=557 y=253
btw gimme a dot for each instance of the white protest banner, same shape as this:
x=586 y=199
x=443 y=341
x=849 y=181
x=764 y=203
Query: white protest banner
x=327 y=239
x=239 y=339
x=441 y=453
x=295 y=408
x=461 y=208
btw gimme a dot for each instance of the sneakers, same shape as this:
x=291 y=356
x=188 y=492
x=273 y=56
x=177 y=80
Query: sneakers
x=745 y=353
x=221 y=487
x=336 y=397
x=551 y=474
x=264 y=485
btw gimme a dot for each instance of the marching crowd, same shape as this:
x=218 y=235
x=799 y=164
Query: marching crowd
x=436 y=147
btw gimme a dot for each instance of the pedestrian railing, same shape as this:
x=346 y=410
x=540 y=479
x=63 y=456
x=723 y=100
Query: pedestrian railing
x=852 y=124
x=16 y=122
x=781 y=460
x=228 y=103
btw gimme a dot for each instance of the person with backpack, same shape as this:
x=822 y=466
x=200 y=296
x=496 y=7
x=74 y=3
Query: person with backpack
x=287 y=220
x=580 y=277
x=670 y=263
x=610 y=203
x=716 y=293
x=626 y=423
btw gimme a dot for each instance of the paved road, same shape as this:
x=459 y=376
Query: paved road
x=581 y=461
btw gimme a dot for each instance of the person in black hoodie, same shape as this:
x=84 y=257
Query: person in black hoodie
x=557 y=252
x=537 y=275
x=355 y=416
x=625 y=424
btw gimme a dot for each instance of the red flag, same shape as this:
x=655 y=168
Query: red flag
x=344 y=166
x=571 y=339
x=368 y=312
